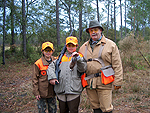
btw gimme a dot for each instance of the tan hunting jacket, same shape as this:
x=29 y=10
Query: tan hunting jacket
x=110 y=56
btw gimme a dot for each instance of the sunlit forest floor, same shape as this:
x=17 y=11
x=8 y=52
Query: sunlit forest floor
x=16 y=91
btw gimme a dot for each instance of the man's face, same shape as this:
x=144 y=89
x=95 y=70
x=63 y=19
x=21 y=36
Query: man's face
x=95 y=33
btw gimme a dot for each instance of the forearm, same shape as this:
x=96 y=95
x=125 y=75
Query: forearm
x=81 y=65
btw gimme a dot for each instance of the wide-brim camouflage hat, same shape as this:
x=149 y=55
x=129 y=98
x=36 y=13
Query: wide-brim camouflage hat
x=94 y=23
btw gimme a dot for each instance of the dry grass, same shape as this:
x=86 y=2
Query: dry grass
x=130 y=49
x=134 y=96
x=135 y=93
x=16 y=92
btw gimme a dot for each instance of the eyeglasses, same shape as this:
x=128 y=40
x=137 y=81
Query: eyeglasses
x=47 y=50
x=70 y=45
x=93 y=29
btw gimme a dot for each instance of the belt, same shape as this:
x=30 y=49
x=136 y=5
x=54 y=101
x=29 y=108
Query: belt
x=92 y=76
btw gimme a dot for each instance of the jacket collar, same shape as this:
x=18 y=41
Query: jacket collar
x=68 y=54
x=44 y=61
x=103 y=40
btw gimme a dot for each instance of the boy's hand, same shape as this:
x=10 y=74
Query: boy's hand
x=53 y=81
x=117 y=87
x=75 y=54
x=38 y=97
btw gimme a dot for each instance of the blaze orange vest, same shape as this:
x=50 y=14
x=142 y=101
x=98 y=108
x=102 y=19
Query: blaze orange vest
x=42 y=67
x=66 y=59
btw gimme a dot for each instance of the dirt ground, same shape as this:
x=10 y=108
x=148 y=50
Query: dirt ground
x=16 y=91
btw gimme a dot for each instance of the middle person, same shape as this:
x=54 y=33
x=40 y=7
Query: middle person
x=69 y=87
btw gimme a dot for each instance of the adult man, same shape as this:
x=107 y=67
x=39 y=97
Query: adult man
x=100 y=95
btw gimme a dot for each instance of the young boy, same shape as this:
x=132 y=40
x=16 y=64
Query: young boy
x=69 y=85
x=42 y=89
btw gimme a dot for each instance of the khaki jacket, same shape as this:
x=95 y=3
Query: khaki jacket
x=110 y=56
x=69 y=80
x=41 y=86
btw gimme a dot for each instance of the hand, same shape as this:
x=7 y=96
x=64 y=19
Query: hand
x=53 y=81
x=38 y=97
x=75 y=54
x=117 y=87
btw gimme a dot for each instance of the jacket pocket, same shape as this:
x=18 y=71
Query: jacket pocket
x=107 y=74
x=59 y=88
x=76 y=85
x=101 y=85
x=43 y=88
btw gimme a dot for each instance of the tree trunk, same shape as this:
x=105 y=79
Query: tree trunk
x=125 y=20
x=111 y=17
x=134 y=21
x=57 y=23
x=97 y=11
x=12 y=26
x=137 y=29
x=69 y=13
x=24 y=28
x=115 y=20
x=108 y=19
x=121 y=17
x=143 y=23
x=4 y=5
x=80 y=20
x=143 y=27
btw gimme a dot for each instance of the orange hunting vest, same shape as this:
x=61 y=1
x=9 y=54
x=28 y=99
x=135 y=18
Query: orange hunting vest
x=42 y=67
x=66 y=59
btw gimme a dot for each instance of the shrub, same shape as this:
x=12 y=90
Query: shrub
x=132 y=52
x=33 y=57
x=127 y=44
x=1 y=58
x=33 y=53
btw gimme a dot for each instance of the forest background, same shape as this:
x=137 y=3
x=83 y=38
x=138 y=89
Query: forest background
x=26 y=24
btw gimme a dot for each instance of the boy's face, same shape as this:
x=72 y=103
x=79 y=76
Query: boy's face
x=48 y=52
x=71 y=47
